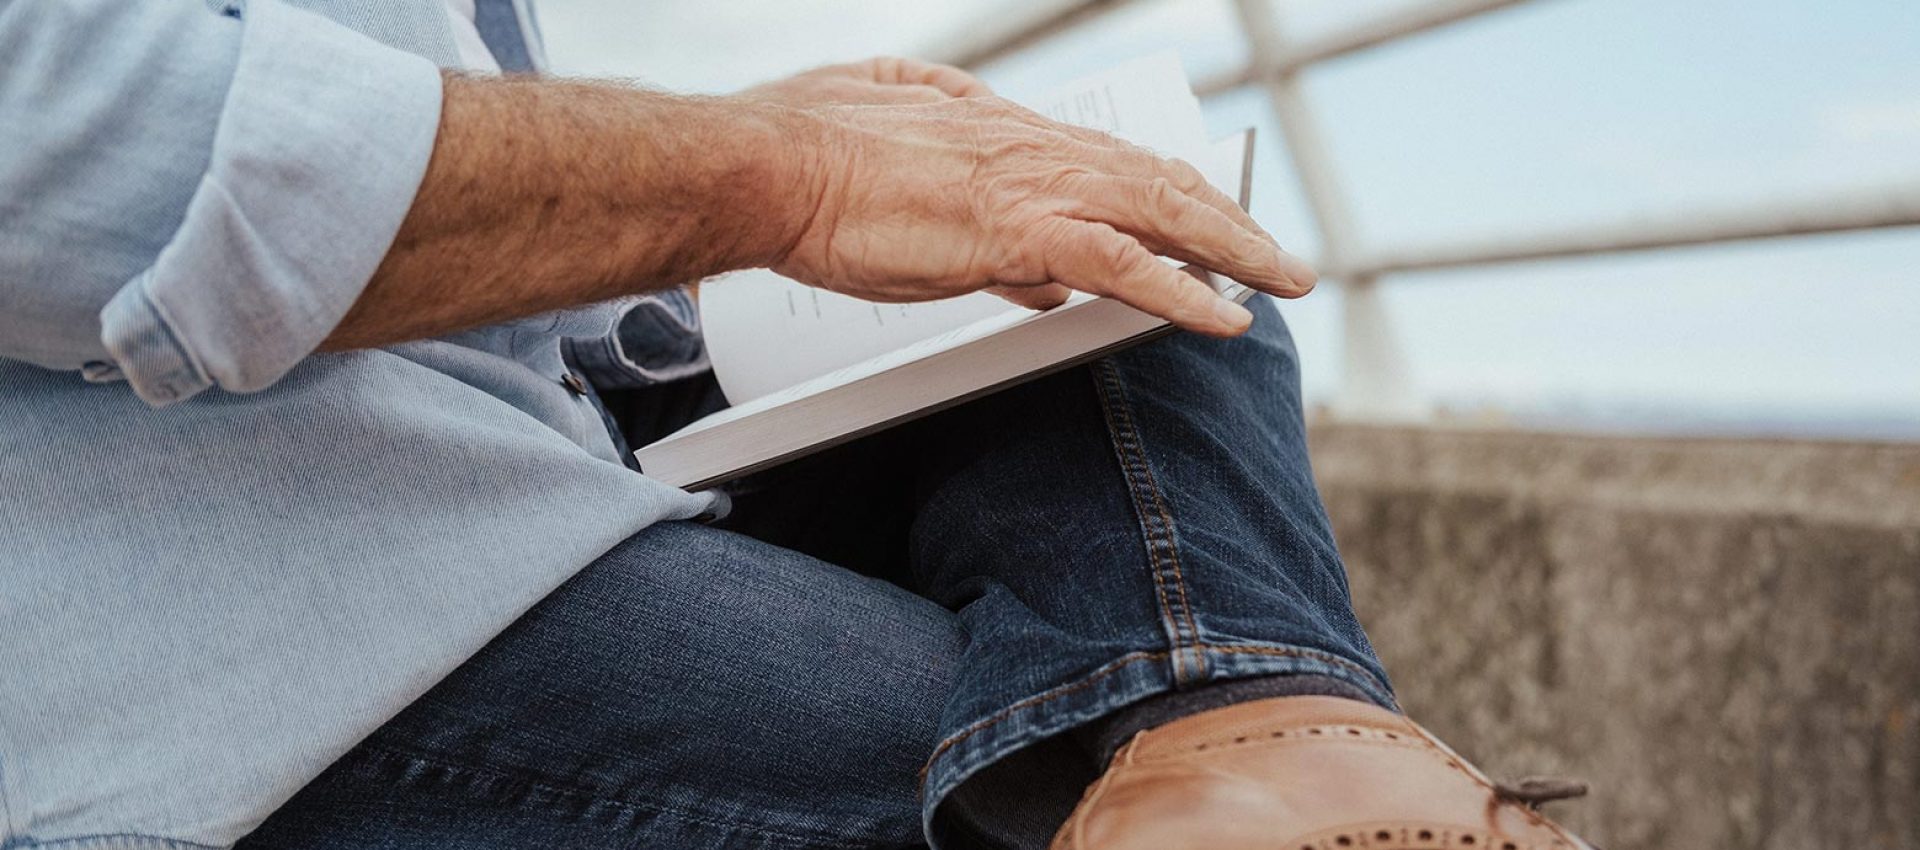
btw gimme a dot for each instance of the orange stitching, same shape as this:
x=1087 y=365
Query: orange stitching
x=1301 y=736
x=978 y=726
x=1106 y=385
x=1179 y=580
x=1284 y=652
x=1111 y=377
x=1160 y=506
x=1137 y=469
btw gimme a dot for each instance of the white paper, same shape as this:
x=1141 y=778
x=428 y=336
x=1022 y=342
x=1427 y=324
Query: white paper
x=1147 y=101
x=766 y=333
x=943 y=340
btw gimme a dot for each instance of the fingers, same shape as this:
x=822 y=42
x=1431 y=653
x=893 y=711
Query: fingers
x=1188 y=179
x=1124 y=159
x=1096 y=258
x=891 y=70
x=1174 y=223
x=1183 y=176
x=1045 y=296
x=910 y=93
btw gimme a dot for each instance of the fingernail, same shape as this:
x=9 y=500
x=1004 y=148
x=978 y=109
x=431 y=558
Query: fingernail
x=1294 y=268
x=1231 y=314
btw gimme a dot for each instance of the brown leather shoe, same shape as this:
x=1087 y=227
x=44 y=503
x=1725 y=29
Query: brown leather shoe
x=1301 y=773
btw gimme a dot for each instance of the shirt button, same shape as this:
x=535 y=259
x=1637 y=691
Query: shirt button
x=100 y=371
x=573 y=384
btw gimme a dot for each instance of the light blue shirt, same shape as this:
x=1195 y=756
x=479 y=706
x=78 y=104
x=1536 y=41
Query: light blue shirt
x=224 y=559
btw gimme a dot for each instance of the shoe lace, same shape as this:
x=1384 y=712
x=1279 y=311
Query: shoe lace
x=1535 y=791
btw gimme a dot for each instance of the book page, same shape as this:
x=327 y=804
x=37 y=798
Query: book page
x=766 y=333
x=1147 y=101
x=943 y=368
x=890 y=359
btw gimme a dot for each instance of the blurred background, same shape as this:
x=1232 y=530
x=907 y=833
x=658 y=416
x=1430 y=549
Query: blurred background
x=1615 y=376
x=1536 y=118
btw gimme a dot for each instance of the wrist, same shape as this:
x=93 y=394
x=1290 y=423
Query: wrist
x=784 y=157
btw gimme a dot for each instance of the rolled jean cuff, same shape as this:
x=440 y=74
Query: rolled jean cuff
x=1116 y=685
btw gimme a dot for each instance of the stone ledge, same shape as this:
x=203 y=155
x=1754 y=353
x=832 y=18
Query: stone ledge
x=1851 y=483
x=1722 y=635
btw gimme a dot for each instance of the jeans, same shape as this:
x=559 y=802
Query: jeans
x=882 y=645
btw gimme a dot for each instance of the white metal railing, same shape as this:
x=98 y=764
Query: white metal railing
x=1374 y=380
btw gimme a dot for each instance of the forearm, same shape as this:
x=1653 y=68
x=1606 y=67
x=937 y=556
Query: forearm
x=544 y=194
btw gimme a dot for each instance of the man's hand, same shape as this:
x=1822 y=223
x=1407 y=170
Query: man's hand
x=885 y=80
x=939 y=199
x=545 y=194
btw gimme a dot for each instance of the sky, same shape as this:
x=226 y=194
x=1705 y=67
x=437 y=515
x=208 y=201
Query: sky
x=1549 y=115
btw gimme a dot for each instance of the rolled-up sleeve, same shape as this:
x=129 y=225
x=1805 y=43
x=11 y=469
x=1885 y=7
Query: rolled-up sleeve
x=653 y=339
x=304 y=160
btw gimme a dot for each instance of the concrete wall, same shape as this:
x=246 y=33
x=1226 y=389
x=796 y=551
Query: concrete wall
x=1723 y=636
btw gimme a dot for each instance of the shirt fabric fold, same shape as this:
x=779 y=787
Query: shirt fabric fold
x=226 y=558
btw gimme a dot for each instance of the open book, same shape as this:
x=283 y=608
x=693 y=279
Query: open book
x=807 y=369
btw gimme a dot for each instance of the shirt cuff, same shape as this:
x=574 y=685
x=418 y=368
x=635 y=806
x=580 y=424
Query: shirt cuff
x=656 y=339
x=323 y=141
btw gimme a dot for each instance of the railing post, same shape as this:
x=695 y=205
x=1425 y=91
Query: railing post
x=1374 y=382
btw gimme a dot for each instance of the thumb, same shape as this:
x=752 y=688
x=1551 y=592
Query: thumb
x=1035 y=297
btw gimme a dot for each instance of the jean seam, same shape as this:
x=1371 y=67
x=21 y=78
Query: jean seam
x=544 y=783
x=1041 y=698
x=1145 y=493
x=1321 y=656
x=1328 y=664
x=1173 y=549
x=1119 y=436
